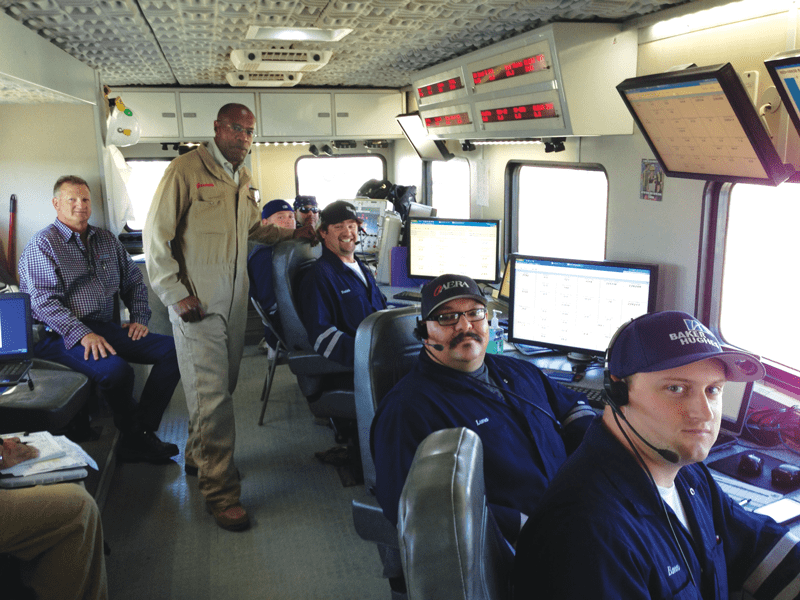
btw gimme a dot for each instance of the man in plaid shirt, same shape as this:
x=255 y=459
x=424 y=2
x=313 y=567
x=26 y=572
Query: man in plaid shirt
x=71 y=270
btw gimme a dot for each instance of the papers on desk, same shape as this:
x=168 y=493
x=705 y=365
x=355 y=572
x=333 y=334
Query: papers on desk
x=60 y=459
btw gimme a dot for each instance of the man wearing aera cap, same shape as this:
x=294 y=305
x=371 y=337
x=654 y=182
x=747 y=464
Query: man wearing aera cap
x=528 y=424
x=259 y=268
x=306 y=210
x=340 y=291
x=634 y=506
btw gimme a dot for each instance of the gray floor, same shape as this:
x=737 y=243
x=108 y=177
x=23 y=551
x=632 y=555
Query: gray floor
x=302 y=543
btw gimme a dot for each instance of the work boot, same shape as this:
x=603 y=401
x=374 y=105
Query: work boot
x=144 y=446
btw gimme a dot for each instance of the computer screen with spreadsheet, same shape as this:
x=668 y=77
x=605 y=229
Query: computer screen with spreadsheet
x=576 y=305
x=468 y=247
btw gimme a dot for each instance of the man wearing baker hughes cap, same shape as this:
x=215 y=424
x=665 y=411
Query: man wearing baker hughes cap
x=340 y=291
x=635 y=506
x=259 y=268
x=528 y=424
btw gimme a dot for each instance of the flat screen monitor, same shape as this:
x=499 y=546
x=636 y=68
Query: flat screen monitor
x=427 y=148
x=735 y=405
x=784 y=69
x=701 y=124
x=576 y=305
x=468 y=247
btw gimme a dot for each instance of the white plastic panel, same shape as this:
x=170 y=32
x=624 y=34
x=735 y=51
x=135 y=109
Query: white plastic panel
x=296 y=115
x=368 y=114
x=199 y=111
x=157 y=113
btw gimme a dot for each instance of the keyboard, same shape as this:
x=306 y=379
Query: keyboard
x=593 y=395
x=408 y=295
x=747 y=496
x=11 y=372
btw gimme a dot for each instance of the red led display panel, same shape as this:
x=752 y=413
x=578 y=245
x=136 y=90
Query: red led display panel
x=448 y=120
x=510 y=69
x=544 y=110
x=440 y=87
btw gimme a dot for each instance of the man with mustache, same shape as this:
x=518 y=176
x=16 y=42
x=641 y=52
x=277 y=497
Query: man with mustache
x=340 y=290
x=528 y=424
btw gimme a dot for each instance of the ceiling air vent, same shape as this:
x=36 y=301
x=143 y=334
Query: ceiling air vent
x=244 y=79
x=279 y=59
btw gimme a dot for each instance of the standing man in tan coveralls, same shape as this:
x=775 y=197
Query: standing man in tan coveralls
x=195 y=243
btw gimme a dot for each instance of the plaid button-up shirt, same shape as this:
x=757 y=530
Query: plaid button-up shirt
x=70 y=282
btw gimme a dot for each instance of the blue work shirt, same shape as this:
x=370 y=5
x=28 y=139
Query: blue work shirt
x=603 y=513
x=522 y=446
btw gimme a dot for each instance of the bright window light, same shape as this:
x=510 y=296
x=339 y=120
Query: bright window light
x=337 y=178
x=142 y=184
x=450 y=188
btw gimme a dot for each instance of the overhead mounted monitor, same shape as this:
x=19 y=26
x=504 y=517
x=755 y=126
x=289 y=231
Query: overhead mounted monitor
x=468 y=247
x=416 y=134
x=576 y=305
x=784 y=69
x=701 y=124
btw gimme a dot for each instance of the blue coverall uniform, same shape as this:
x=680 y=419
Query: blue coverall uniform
x=333 y=302
x=603 y=512
x=522 y=446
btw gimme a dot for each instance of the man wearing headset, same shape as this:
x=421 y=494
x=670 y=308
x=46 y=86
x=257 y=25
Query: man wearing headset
x=634 y=505
x=528 y=424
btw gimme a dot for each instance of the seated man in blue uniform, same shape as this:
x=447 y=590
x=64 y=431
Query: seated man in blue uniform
x=72 y=270
x=306 y=211
x=528 y=424
x=634 y=506
x=259 y=269
x=339 y=292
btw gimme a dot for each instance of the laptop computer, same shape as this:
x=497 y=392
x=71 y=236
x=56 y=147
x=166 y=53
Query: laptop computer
x=16 y=338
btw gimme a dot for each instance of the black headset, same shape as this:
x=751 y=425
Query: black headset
x=616 y=392
x=421 y=330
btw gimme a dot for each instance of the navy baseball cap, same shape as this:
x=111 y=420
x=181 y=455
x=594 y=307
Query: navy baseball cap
x=448 y=287
x=300 y=201
x=669 y=339
x=338 y=211
x=274 y=206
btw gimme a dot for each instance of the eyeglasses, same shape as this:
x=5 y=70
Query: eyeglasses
x=450 y=319
x=239 y=129
x=308 y=209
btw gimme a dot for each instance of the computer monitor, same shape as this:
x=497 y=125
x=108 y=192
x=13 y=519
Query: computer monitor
x=784 y=69
x=426 y=147
x=701 y=124
x=576 y=305
x=735 y=405
x=468 y=247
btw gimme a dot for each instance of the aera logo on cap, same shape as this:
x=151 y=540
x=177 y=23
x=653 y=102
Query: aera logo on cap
x=448 y=285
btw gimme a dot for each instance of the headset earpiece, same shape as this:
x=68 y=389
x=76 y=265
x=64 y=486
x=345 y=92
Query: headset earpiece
x=421 y=330
x=616 y=392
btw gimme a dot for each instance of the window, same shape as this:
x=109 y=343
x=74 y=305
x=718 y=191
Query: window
x=450 y=188
x=144 y=179
x=338 y=177
x=754 y=299
x=558 y=210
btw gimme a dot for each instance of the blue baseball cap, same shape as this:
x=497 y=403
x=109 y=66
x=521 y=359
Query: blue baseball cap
x=274 y=206
x=301 y=201
x=669 y=339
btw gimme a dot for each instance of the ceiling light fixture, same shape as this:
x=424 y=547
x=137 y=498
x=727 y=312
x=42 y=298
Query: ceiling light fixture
x=297 y=34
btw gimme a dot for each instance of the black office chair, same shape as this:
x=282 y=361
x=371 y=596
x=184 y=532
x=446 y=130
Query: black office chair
x=290 y=261
x=450 y=545
x=280 y=357
x=386 y=349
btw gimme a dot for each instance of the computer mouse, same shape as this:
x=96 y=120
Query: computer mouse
x=786 y=476
x=751 y=464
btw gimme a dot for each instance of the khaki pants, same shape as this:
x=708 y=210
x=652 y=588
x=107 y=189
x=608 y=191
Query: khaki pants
x=57 y=529
x=209 y=355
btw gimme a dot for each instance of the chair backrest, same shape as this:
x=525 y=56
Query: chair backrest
x=266 y=320
x=290 y=260
x=450 y=545
x=386 y=349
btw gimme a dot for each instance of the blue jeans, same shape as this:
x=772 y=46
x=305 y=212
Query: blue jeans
x=113 y=376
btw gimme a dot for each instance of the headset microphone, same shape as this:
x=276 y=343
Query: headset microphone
x=667 y=455
x=438 y=347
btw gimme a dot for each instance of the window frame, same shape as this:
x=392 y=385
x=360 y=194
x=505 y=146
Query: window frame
x=708 y=300
x=511 y=186
x=354 y=155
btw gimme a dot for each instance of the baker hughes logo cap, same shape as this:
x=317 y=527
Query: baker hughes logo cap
x=669 y=339
x=448 y=287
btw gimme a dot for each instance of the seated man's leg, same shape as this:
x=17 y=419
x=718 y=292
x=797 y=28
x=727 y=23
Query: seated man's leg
x=57 y=528
x=153 y=349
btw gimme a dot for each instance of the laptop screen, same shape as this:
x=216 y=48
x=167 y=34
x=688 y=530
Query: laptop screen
x=735 y=404
x=16 y=339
